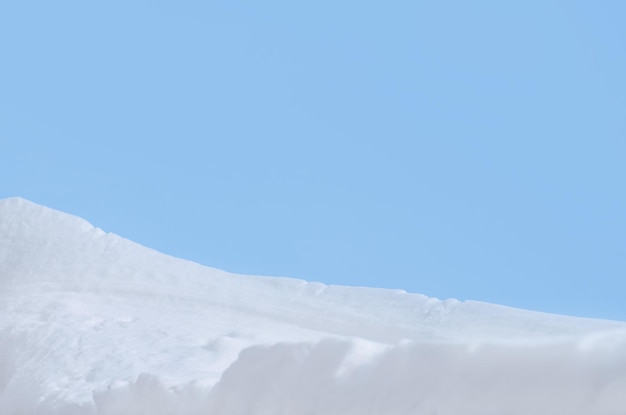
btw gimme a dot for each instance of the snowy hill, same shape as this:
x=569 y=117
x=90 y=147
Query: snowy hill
x=91 y=323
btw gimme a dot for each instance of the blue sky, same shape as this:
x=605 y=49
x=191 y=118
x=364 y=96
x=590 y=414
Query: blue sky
x=474 y=150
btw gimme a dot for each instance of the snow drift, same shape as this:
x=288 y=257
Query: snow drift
x=91 y=323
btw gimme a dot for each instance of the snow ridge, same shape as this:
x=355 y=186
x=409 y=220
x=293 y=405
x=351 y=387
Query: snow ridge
x=91 y=323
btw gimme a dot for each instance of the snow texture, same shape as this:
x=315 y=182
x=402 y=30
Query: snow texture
x=93 y=324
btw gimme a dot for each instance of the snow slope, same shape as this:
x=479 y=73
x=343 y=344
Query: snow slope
x=91 y=323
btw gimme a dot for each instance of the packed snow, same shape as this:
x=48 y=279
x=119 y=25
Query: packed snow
x=94 y=324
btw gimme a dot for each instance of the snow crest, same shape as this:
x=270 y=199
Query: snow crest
x=93 y=324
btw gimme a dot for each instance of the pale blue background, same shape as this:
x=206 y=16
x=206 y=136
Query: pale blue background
x=468 y=149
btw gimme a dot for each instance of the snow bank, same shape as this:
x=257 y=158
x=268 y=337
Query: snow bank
x=416 y=378
x=334 y=377
x=93 y=324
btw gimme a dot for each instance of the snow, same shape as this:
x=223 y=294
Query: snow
x=91 y=323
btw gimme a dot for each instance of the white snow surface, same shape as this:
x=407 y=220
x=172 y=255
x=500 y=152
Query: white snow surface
x=91 y=323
